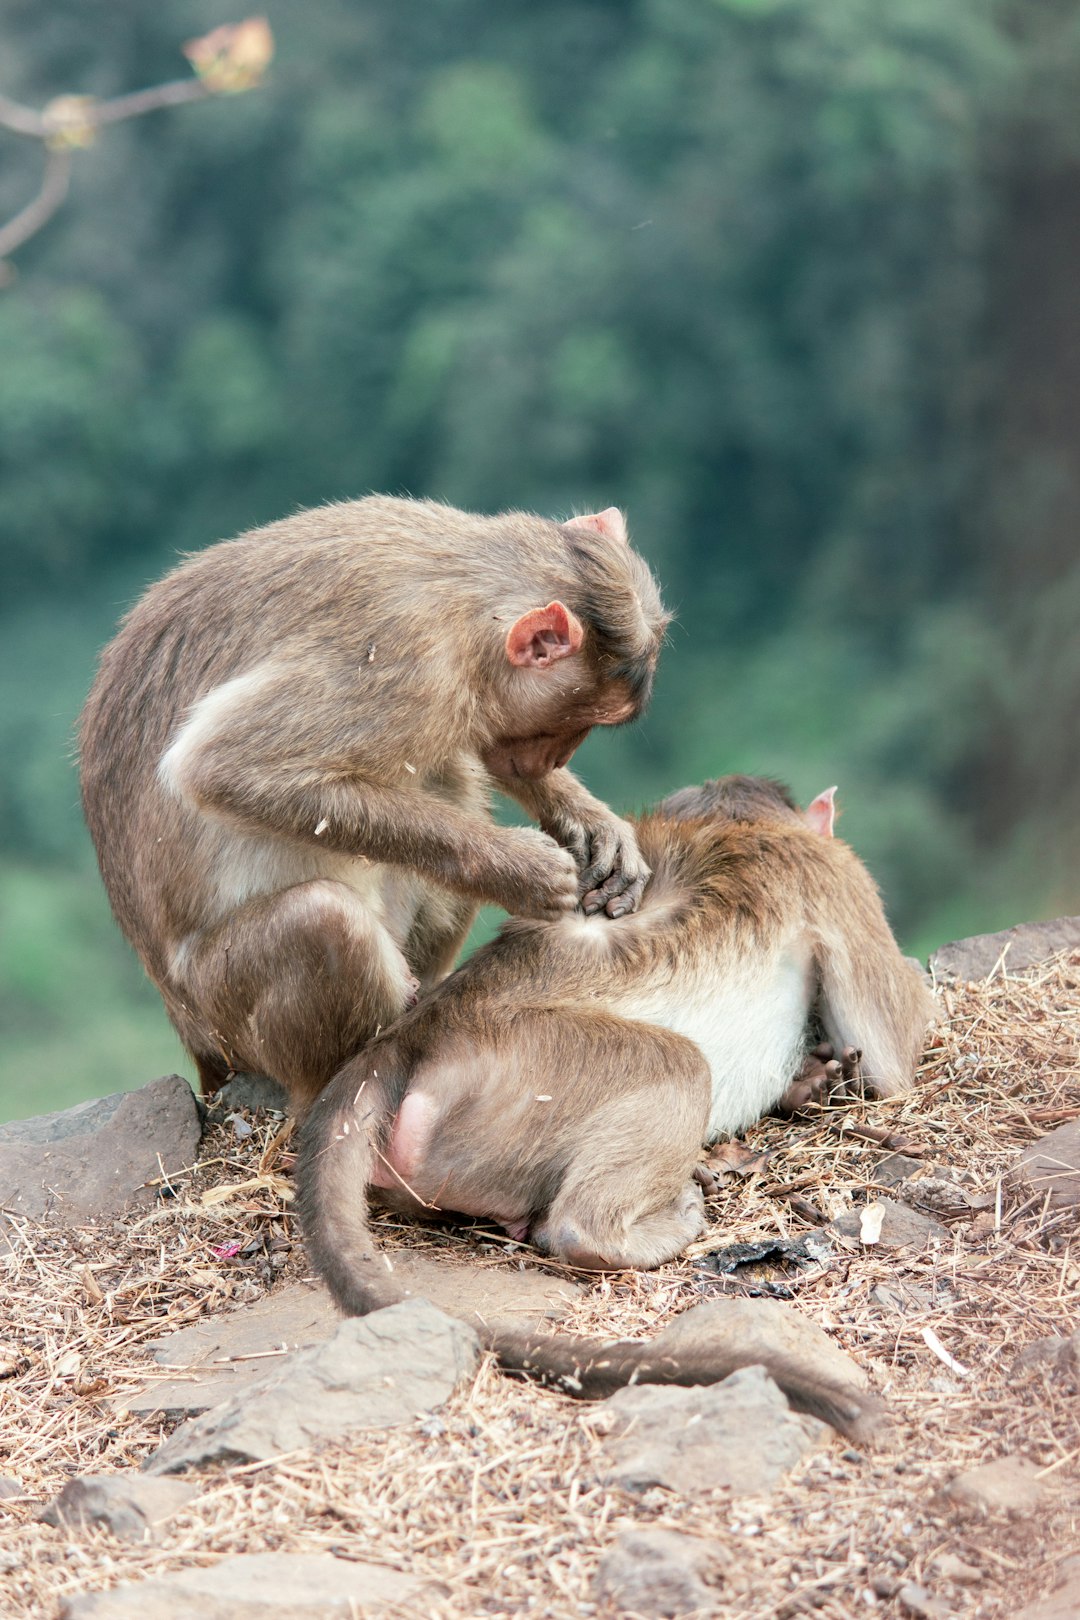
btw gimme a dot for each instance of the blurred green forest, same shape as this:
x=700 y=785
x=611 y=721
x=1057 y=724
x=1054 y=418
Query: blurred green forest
x=793 y=284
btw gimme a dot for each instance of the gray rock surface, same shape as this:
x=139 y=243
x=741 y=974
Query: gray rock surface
x=915 y=1599
x=902 y=1227
x=261 y=1586
x=1052 y=1165
x=1024 y=947
x=126 y=1504
x=1058 y=1351
x=94 y=1160
x=740 y=1434
x=253 y=1091
x=299 y=1315
x=1007 y=1485
x=658 y=1573
x=758 y=1329
x=9 y=1487
x=374 y=1372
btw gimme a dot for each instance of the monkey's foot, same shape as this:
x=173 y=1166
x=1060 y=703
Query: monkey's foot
x=823 y=1074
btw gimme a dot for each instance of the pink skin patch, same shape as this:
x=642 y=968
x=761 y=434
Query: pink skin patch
x=400 y=1165
x=407 y=1147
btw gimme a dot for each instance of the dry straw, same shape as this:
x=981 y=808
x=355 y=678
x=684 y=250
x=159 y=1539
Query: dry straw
x=499 y=1497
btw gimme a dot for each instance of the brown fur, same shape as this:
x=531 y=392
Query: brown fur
x=532 y=1088
x=288 y=752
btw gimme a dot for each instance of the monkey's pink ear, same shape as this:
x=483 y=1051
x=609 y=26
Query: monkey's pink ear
x=610 y=522
x=542 y=636
x=820 y=813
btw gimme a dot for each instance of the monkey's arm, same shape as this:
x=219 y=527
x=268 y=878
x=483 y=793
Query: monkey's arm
x=241 y=761
x=613 y=873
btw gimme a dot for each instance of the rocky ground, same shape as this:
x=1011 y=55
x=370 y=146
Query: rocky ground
x=186 y=1431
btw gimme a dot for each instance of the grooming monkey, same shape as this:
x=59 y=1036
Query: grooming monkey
x=563 y=1080
x=287 y=755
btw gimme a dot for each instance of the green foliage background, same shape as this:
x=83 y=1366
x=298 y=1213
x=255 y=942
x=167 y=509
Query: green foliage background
x=792 y=284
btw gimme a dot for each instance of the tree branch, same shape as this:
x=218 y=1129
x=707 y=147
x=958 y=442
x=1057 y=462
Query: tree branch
x=230 y=59
x=54 y=188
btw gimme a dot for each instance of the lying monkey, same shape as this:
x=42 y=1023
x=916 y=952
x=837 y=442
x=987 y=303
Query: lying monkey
x=563 y=1080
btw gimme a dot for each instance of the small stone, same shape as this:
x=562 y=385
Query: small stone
x=92 y=1161
x=1051 y=1166
x=262 y=1586
x=894 y=1170
x=947 y=1567
x=9 y=1487
x=902 y=1227
x=375 y=1372
x=658 y=1573
x=126 y=1504
x=1007 y=1485
x=1024 y=947
x=760 y=1329
x=739 y=1433
x=252 y=1091
x=915 y=1599
x=1056 y=1351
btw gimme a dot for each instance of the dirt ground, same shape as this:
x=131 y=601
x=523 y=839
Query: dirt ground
x=499 y=1498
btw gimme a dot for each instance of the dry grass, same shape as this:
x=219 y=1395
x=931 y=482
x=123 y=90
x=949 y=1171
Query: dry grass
x=499 y=1498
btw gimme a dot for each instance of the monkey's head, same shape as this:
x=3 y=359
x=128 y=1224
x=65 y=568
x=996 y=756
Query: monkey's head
x=585 y=659
x=750 y=798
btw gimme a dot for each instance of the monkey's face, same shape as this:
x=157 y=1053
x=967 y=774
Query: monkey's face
x=559 y=733
x=528 y=758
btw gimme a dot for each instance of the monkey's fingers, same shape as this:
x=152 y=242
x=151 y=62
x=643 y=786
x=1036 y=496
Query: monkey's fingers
x=618 y=888
x=630 y=898
x=708 y=1178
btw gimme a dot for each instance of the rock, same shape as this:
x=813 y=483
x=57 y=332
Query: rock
x=126 y=1504
x=374 y=1372
x=299 y=1315
x=262 y=1586
x=910 y=1298
x=1024 y=947
x=902 y=1226
x=915 y=1599
x=1008 y=1485
x=1058 y=1352
x=1051 y=1165
x=94 y=1160
x=1061 y=1604
x=947 y=1567
x=9 y=1487
x=895 y=1169
x=251 y=1091
x=759 y=1329
x=739 y=1433
x=658 y=1573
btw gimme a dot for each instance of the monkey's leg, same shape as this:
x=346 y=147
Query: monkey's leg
x=628 y=1198
x=291 y=985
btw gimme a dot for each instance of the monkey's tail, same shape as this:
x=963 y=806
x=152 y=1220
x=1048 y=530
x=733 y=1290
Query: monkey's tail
x=590 y=1369
x=871 y=996
x=338 y=1138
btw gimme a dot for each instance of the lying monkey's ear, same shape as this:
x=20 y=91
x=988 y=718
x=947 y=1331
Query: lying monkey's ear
x=610 y=522
x=542 y=636
x=820 y=813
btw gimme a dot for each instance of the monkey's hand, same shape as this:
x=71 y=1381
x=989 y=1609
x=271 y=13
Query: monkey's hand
x=613 y=873
x=541 y=878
